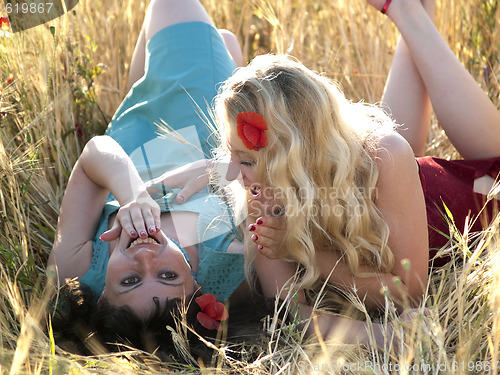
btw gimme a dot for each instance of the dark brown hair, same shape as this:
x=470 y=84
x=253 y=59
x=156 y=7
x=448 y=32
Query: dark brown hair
x=82 y=325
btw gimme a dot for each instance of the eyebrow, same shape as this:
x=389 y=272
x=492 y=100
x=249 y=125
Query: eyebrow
x=231 y=149
x=138 y=285
x=240 y=152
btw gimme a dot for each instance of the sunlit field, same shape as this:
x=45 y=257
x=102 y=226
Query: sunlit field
x=60 y=86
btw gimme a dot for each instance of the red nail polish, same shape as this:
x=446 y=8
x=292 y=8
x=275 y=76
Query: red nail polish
x=151 y=230
x=260 y=247
x=259 y=221
x=252 y=227
x=133 y=234
x=144 y=234
x=255 y=237
x=158 y=228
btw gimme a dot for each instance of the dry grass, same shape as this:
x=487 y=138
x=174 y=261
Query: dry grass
x=65 y=88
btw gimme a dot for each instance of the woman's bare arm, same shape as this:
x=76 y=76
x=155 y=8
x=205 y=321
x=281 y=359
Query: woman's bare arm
x=401 y=202
x=275 y=276
x=103 y=167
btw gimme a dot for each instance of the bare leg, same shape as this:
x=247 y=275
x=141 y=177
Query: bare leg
x=163 y=13
x=465 y=112
x=406 y=96
x=233 y=46
x=136 y=70
x=407 y=100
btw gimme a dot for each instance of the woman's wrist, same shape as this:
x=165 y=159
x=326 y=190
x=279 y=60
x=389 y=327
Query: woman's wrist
x=125 y=183
x=136 y=192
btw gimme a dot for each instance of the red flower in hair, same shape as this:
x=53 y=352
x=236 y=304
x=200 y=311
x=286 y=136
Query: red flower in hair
x=251 y=128
x=4 y=23
x=212 y=312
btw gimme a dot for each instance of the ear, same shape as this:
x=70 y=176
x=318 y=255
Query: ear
x=102 y=299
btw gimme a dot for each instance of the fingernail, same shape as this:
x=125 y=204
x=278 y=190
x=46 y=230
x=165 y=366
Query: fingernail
x=100 y=237
x=259 y=221
x=180 y=199
x=260 y=247
x=252 y=227
x=144 y=234
x=152 y=230
x=133 y=233
x=158 y=228
x=255 y=237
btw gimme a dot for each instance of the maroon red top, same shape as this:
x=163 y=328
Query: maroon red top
x=451 y=183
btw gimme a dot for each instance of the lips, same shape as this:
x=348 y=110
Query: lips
x=255 y=191
x=139 y=241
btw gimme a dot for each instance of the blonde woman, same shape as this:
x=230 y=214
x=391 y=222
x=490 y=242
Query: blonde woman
x=354 y=207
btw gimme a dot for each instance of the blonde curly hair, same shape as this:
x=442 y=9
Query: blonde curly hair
x=320 y=159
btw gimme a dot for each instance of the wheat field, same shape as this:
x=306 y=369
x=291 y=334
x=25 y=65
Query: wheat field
x=61 y=82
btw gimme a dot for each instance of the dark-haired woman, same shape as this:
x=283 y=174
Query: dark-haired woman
x=134 y=255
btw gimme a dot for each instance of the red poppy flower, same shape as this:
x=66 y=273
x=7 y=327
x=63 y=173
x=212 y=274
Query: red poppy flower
x=251 y=128
x=212 y=312
x=4 y=23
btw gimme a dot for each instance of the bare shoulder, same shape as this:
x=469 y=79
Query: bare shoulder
x=398 y=170
x=391 y=146
x=401 y=202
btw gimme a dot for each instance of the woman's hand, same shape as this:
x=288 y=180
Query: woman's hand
x=190 y=178
x=411 y=323
x=269 y=233
x=269 y=230
x=139 y=218
x=393 y=335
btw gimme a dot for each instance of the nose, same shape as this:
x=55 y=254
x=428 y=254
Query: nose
x=233 y=171
x=144 y=256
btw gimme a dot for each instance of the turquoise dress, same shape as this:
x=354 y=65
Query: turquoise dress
x=162 y=125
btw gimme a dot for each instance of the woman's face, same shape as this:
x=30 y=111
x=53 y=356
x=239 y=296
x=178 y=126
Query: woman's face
x=242 y=162
x=263 y=200
x=142 y=269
